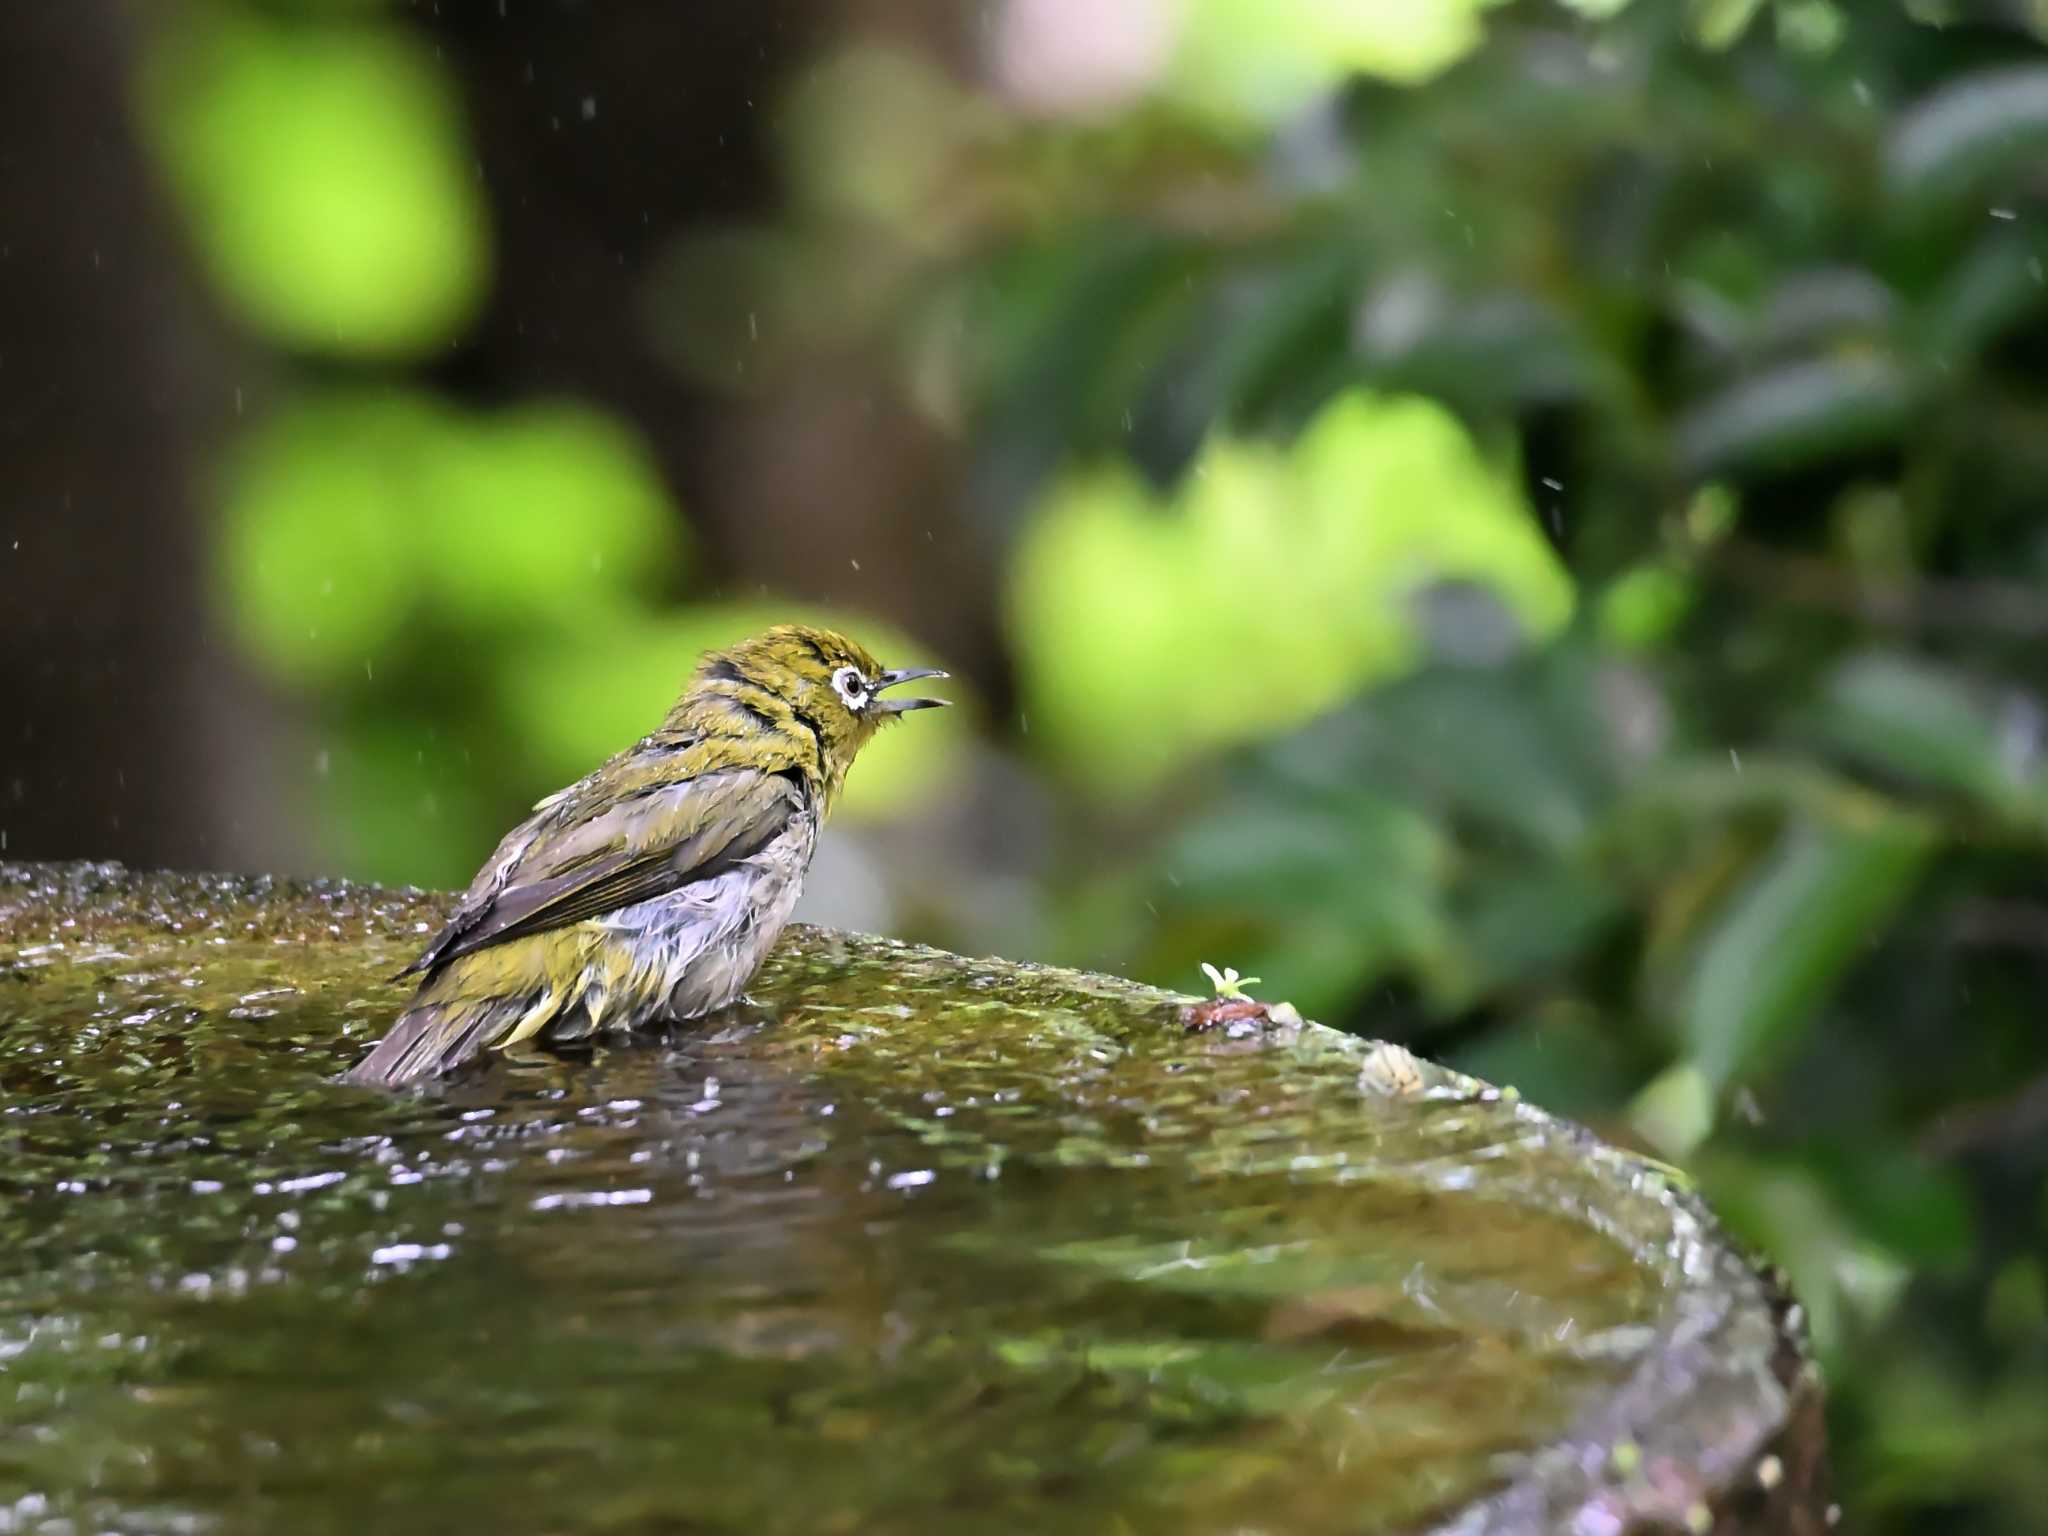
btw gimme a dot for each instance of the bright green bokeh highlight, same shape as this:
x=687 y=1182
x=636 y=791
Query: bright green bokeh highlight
x=318 y=560
x=1275 y=585
x=1644 y=606
x=597 y=691
x=325 y=175
x=1258 y=61
x=347 y=518
x=552 y=510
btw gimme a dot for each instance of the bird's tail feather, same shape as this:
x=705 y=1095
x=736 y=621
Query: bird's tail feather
x=437 y=1035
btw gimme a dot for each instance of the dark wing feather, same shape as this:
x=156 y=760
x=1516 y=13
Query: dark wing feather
x=576 y=865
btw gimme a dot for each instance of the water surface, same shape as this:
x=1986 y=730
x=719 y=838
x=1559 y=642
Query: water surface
x=907 y=1241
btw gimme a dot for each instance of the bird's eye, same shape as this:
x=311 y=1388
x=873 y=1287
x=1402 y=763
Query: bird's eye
x=851 y=687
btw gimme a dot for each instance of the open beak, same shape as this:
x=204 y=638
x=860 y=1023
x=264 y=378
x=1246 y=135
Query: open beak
x=894 y=676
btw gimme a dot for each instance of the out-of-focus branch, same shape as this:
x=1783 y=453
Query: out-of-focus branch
x=2012 y=1119
x=2000 y=607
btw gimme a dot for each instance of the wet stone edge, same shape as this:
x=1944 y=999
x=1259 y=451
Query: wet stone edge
x=1720 y=1429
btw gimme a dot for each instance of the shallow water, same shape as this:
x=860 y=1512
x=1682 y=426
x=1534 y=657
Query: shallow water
x=908 y=1241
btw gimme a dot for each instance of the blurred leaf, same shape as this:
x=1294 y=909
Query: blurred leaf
x=2000 y=283
x=1711 y=514
x=1828 y=305
x=1256 y=61
x=324 y=170
x=1517 y=749
x=1707 y=789
x=1969 y=133
x=1949 y=1439
x=1810 y=26
x=548 y=511
x=1721 y=23
x=1777 y=948
x=401 y=800
x=1928 y=724
x=1272 y=588
x=868 y=132
x=1366 y=849
x=1079 y=329
x=1872 y=534
x=1563 y=1060
x=1642 y=607
x=349 y=517
x=1675 y=1110
x=320 y=561
x=1263 y=348
x=2016 y=1311
x=1912 y=1207
x=1479 y=351
x=1518 y=925
x=1336 y=892
x=1795 y=415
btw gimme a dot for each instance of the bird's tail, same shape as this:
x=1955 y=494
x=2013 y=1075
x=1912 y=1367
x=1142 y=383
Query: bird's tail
x=438 y=1034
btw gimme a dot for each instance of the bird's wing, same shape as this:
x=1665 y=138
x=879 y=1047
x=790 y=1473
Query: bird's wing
x=576 y=860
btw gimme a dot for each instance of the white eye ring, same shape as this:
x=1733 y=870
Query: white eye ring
x=851 y=687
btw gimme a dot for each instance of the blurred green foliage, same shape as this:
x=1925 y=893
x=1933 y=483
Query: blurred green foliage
x=348 y=519
x=1735 y=844
x=1135 y=623
x=1521 y=522
x=323 y=167
x=479 y=604
x=1256 y=61
x=471 y=607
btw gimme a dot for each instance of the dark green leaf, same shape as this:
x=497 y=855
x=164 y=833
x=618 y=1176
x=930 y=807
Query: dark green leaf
x=1796 y=416
x=1971 y=132
x=1780 y=944
x=1928 y=724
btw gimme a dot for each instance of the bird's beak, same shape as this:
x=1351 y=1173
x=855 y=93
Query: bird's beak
x=894 y=676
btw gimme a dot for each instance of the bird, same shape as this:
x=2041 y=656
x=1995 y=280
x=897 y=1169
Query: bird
x=652 y=889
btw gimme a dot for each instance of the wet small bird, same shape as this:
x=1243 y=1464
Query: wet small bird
x=652 y=889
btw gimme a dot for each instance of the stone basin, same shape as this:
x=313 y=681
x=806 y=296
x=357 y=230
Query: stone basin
x=905 y=1241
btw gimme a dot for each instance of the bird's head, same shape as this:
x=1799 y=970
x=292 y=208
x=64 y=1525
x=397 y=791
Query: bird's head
x=830 y=686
